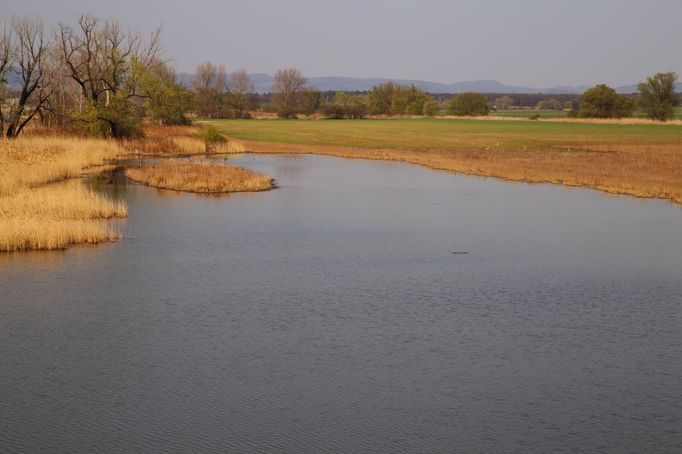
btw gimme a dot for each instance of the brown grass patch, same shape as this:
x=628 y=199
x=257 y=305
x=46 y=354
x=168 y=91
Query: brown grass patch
x=204 y=177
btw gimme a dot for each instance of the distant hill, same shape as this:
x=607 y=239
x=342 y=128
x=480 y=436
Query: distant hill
x=264 y=82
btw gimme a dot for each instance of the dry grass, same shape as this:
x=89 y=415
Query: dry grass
x=37 y=214
x=33 y=161
x=204 y=177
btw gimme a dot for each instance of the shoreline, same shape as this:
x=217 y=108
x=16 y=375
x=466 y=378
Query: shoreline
x=460 y=161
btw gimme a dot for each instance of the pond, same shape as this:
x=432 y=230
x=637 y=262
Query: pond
x=362 y=306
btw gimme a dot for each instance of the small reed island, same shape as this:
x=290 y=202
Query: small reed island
x=200 y=177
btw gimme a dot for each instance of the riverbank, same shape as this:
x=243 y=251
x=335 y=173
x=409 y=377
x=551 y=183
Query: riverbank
x=43 y=207
x=201 y=177
x=628 y=159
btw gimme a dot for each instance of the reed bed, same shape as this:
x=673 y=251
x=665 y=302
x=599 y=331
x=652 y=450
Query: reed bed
x=202 y=177
x=36 y=212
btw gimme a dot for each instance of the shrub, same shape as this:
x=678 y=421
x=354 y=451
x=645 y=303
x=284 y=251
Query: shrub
x=469 y=104
x=210 y=136
x=333 y=111
x=602 y=101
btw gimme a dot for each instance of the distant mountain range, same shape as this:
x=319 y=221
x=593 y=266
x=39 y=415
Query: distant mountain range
x=264 y=83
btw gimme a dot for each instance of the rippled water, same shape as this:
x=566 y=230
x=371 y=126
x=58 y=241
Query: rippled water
x=331 y=315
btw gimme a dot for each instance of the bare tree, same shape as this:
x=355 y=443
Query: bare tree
x=210 y=90
x=5 y=55
x=27 y=53
x=504 y=103
x=107 y=64
x=289 y=84
x=240 y=90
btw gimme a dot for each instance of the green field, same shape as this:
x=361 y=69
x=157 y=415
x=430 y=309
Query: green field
x=446 y=134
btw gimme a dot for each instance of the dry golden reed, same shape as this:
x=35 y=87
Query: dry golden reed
x=204 y=177
x=35 y=212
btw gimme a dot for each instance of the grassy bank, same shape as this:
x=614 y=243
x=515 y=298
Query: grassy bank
x=203 y=177
x=643 y=160
x=40 y=211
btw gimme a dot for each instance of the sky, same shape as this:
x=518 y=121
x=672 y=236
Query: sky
x=533 y=43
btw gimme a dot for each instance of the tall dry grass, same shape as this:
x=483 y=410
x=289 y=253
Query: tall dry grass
x=204 y=177
x=36 y=212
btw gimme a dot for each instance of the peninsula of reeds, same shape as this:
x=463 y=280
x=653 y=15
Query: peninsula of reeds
x=201 y=177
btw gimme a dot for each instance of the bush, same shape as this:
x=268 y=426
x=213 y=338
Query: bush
x=602 y=101
x=210 y=137
x=333 y=111
x=431 y=107
x=469 y=104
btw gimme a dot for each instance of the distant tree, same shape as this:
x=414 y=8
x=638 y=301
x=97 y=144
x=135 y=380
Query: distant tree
x=504 y=103
x=309 y=101
x=431 y=107
x=380 y=98
x=210 y=90
x=408 y=101
x=345 y=106
x=602 y=101
x=240 y=88
x=165 y=100
x=356 y=108
x=549 y=104
x=289 y=84
x=469 y=104
x=657 y=96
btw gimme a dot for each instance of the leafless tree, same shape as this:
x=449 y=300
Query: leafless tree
x=27 y=53
x=240 y=89
x=289 y=83
x=210 y=90
x=504 y=103
x=107 y=64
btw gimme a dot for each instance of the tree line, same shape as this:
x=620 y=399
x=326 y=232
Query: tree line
x=98 y=78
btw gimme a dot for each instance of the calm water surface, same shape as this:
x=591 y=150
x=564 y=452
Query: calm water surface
x=331 y=315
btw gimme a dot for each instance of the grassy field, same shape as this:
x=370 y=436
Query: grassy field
x=449 y=134
x=643 y=160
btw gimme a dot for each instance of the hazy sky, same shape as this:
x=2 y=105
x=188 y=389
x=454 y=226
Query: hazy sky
x=534 y=43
